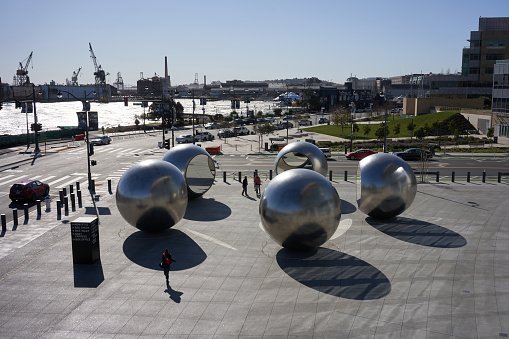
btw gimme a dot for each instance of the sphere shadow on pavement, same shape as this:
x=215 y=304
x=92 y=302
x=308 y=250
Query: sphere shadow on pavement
x=146 y=249
x=203 y=209
x=335 y=273
x=347 y=208
x=418 y=232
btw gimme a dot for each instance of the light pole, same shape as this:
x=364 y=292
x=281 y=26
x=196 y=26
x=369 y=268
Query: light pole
x=352 y=104
x=86 y=109
x=194 y=107
x=36 y=125
x=382 y=95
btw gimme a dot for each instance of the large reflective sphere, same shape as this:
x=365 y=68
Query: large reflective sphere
x=196 y=165
x=387 y=186
x=301 y=154
x=300 y=209
x=152 y=195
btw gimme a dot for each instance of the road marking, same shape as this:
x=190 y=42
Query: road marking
x=126 y=150
x=58 y=180
x=11 y=180
x=214 y=240
x=69 y=182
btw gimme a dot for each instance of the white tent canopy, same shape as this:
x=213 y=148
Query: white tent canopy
x=288 y=95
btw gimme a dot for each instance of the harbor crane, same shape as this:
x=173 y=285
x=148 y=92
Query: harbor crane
x=100 y=75
x=21 y=76
x=74 y=79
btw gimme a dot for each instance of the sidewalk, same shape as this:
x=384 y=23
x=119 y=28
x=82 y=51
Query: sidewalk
x=439 y=270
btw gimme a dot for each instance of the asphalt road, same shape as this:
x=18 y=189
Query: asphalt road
x=67 y=166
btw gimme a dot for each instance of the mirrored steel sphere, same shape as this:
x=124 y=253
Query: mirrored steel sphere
x=300 y=209
x=301 y=154
x=196 y=165
x=387 y=186
x=152 y=195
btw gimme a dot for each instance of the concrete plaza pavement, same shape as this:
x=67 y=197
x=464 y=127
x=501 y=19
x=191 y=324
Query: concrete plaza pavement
x=439 y=270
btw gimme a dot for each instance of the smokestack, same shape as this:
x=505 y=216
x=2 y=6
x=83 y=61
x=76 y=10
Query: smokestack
x=165 y=67
x=204 y=81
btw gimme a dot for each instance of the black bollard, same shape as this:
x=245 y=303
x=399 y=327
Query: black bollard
x=468 y=176
x=25 y=207
x=499 y=177
x=240 y=177
x=61 y=195
x=39 y=208
x=484 y=176
x=66 y=205
x=15 y=216
x=270 y=174
x=109 y=185
x=71 y=189
x=330 y=175
x=452 y=176
x=438 y=176
x=64 y=191
x=77 y=185
x=4 y=223
x=73 y=202
x=224 y=176
x=59 y=208
x=346 y=175
x=79 y=198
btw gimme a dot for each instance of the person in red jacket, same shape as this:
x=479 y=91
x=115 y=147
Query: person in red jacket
x=166 y=261
x=257 y=184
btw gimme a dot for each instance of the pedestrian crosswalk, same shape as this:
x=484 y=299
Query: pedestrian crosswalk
x=117 y=151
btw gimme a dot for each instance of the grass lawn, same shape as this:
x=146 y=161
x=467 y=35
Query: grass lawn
x=419 y=121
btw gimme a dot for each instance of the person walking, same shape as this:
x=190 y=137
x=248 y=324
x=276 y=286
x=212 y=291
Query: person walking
x=257 y=184
x=244 y=186
x=166 y=261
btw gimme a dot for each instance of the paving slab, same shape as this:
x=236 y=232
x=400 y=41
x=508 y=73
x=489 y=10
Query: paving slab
x=438 y=270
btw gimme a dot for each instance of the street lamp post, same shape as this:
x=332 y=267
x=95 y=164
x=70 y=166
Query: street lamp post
x=385 y=124
x=352 y=104
x=86 y=109
x=36 y=150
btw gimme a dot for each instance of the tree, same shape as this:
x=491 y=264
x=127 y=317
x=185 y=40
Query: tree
x=277 y=111
x=380 y=132
x=355 y=128
x=169 y=105
x=367 y=129
x=420 y=133
x=136 y=122
x=340 y=117
x=397 y=129
x=261 y=130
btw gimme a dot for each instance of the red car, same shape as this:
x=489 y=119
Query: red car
x=360 y=154
x=28 y=190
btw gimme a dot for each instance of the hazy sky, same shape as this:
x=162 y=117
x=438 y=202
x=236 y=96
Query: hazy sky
x=246 y=40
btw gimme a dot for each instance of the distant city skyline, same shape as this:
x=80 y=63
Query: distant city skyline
x=226 y=40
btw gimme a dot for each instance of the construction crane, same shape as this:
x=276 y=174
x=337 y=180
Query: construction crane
x=100 y=75
x=21 y=76
x=120 y=82
x=74 y=79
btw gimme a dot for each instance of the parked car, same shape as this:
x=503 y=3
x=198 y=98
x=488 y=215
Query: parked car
x=326 y=151
x=240 y=130
x=305 y=123
x=239 y=122
x=359 y=154
x=100 y=140
x=414 y=154
x=323 y=120
x=203 y=136
x=183 y=138
x=270 y=119
x=211 y=125
x=284 y=124
x=260 y=120
x=225 y=133
x=249 y=121
x=28 y=190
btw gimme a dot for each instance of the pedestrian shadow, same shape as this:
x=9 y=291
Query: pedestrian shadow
x=334 y=273
x=418 y=232
x=202 y=209
x=145 y=249
x=174 y=295
x=88 y=275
